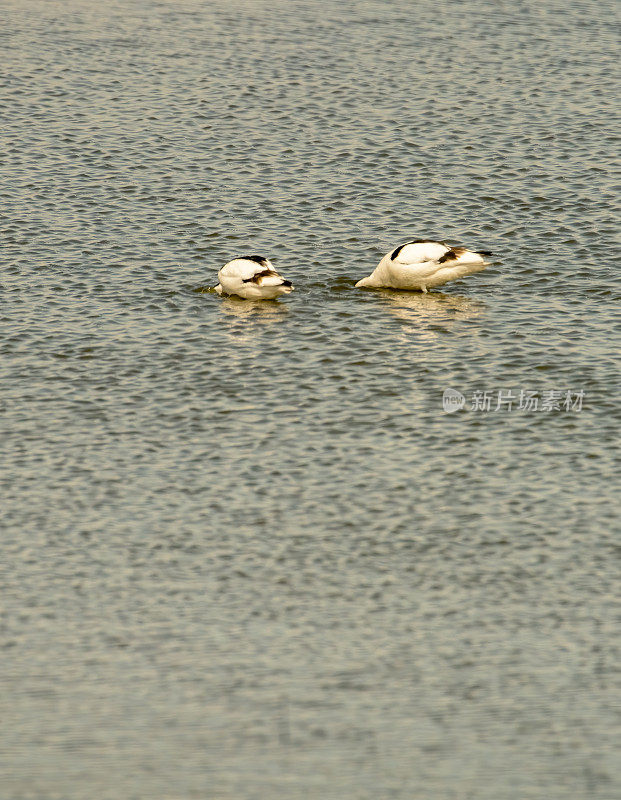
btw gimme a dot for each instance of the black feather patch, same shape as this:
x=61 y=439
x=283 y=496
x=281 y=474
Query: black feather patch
x=455 y=252
x=257 y=259
x=451 y=254
x=397 y=250
x=258 y=276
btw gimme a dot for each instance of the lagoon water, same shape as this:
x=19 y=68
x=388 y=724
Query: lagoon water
x=245 y=552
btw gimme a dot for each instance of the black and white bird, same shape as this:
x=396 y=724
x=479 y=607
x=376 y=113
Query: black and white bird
x=422 y=265
x=253 y=278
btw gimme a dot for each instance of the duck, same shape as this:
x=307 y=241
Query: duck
x=253 y=278
x=422 y=264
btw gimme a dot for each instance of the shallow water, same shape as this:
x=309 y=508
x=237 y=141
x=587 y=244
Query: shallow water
x=246 y=554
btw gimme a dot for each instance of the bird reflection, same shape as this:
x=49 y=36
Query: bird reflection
x=242 y=317
x=422 y=312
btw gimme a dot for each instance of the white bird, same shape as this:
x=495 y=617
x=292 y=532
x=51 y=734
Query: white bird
x=422 y=265
x=253 y=278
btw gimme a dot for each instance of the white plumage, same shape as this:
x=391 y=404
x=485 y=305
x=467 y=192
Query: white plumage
x=253 y=278
x=422 y=265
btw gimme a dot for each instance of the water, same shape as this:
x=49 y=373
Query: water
x=245 y=552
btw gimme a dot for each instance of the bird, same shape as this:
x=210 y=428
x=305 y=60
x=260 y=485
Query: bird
x=253 y=278
x=421 y=264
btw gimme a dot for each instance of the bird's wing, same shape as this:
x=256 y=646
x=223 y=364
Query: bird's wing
x=245 y=269
x=267 y=277
x=418 y=252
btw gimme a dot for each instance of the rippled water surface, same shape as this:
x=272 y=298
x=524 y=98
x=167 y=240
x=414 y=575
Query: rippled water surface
x=245 y=552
